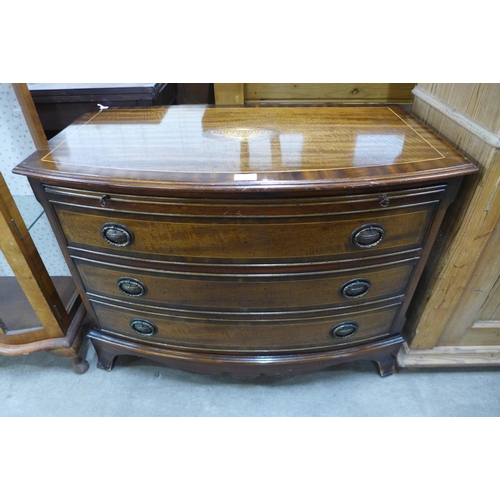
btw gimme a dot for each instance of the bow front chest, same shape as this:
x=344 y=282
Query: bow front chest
x=249 y=240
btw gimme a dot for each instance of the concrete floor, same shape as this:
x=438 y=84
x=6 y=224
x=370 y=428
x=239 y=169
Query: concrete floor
x=43 y=385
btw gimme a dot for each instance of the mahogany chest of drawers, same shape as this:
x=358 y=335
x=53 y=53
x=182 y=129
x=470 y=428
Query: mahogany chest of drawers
x=250 y=240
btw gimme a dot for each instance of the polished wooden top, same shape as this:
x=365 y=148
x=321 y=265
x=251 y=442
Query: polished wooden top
x=255 y=148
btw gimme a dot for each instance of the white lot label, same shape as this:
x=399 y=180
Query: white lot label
x=245 y=177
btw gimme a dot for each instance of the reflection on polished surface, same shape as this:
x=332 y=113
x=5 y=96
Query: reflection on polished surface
x=386 y=148
x=206 y=145
x=236 y=140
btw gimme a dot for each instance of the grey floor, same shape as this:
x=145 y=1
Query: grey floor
x=43 y=385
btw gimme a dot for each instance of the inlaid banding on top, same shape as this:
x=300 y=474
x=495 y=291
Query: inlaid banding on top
x=248 y=139
x=197 y=148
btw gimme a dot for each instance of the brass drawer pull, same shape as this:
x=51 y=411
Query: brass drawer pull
x=368 y=236
x=355 y=289
x=131 y=287
x=143 y=327
x=344 y=330
x=117 y=234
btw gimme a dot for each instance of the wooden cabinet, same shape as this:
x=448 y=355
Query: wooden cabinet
x=247 y=240
x=195 y=93
x=458 y=321
x=60 y=104
x=239 y=94
x=37 y=311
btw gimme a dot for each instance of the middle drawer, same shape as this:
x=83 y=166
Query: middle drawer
x=245 y=292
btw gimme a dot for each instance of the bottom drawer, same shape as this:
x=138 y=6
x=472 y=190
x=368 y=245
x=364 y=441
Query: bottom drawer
x=250 y=332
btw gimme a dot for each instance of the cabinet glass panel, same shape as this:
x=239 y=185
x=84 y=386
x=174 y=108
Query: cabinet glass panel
x=16 y=313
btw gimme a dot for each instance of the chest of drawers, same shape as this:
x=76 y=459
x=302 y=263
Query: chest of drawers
x=265 y=240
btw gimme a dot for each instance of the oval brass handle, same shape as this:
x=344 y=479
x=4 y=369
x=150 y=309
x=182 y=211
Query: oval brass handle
x=131 y=287
x=344 y=330
x=143 y=327
x=355 y=289
x=117 y=234
x=368 y=236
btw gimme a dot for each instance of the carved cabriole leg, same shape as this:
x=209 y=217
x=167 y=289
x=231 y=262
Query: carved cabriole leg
x=72 y=343
x=80 y=365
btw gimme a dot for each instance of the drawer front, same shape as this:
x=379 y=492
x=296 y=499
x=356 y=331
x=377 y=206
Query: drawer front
x=253 y=333
x=246 y=292
x=264 y=239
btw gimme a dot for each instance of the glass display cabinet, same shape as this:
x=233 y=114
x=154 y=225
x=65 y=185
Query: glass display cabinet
x=39 y=311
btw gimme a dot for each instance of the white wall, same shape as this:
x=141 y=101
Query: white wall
x=16 y=144
x=15 y=140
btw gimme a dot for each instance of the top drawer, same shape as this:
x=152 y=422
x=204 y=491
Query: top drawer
x=250 y=231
